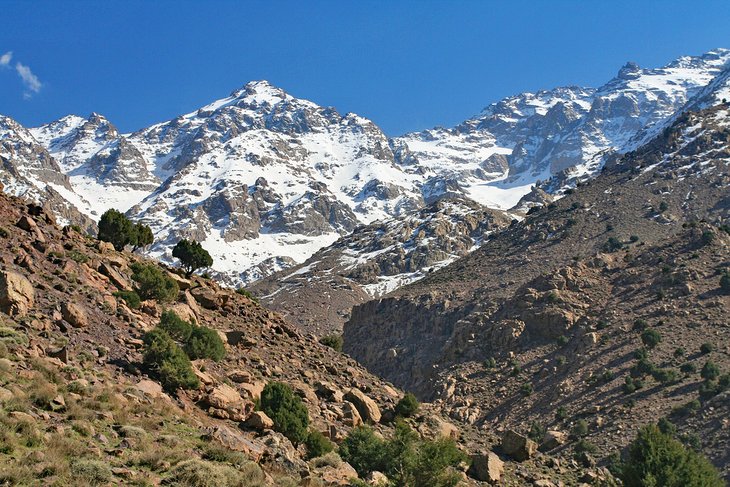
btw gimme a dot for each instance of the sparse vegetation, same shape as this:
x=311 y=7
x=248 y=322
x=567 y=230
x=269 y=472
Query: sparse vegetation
x=333 y=341
x=168 y=361
x=131 y=298
x=407 y=406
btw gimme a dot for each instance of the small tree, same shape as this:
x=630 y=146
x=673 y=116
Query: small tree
x=286 y=410
x=142 y=236
x=317 y=444
x=710 y=371
x=178 y=329
x=656 y=459
x=192 y=256
x=725 y=283
x=116 y=228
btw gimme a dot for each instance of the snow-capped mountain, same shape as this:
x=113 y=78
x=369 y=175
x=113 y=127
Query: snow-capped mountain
x=265 y=179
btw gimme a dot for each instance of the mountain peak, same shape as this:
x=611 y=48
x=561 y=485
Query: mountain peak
x=630 y=70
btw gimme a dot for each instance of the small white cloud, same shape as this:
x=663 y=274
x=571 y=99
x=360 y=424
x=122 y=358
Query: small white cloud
x=5 y=59
x=30 y=80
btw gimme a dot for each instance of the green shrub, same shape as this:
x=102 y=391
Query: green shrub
x=490 y=363
x=153 y=283
x=407 y=406
x=706 y=348
x=334 y=341
x=585 y=446
x=640 y=324
x=205 y=343
x=178 y=329
x=77 y=256
x=688 y=408
x=632 y=384
x=651 y=338
x=537 y=432
x=561 y=413
x=526 y=388
x=200 y=473
x=679 y=352
x=688 y=368
x=612 y=245
x=317 y=444
x=665 y=376
x=405 y=459
x=580 y=429
x=192 y=256
x=130 y=297
x=286 y=410
x=710 y=371
x=168 y=361
x=656 y=459
x=667 y=427
x=562 y=340
x=91 y=472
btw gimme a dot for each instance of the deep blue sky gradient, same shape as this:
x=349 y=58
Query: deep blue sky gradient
x=407 y=65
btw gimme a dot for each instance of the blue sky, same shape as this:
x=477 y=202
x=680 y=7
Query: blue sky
x=407 y=65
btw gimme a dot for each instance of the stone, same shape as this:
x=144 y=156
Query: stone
x=259 y=421
x=553 y=439
x=105 y=246
x=150 y=388
x=336 y=475
x=368 y=409
x=518 y=446
x=487 y=467
x=182 y=283
x=115 y=277
x=207 y=298
x=225 y=399
x=253 y=390
x=352 y=415
x=27 y=224
x=236 y=441
x=17 y=296
x=74 y=314
x=240 y=376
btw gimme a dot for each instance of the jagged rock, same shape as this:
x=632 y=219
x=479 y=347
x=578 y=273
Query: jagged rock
x=150 y=388
x=259 y=421
x=182 y=283
x=367 y=408
x=236 y=441
x=340 y=474
x=329 y=391
x=253 y=389
x=74 y=314
x=351 y=414
x=225 y=399
x=16 y=294
x=487 y=467
x=518 y=446
x=207 y=298
x=116 y=277
x=240 y=376
x=553 y=439
x=26 y=223
x=104 y=247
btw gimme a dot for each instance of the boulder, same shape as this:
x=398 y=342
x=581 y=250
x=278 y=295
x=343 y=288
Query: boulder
x=225 y=402
x=27 y=224
x=518 y=446
x=553 y=439
x=74 y=314
x=367 y=408
x=115 y=277
x=487 y=467
x=376 y=479
x=338 y=474
x=182 y=283
x=207 y=298
x=236 y=441
x=352 y=415
x=259 y=421
x=105 y=246
x=149 y=388
x=16 y=294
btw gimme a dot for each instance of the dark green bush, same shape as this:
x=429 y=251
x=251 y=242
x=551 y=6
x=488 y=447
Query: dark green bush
x=178 y=329
x=612 y=245
x=561 y=413
x=706 y=348
x=130 y=297
x=407 y=406
x=562 y=340
x=317 y=444
x=710 y=371
x=168 y=361
x=688 y=368
x=335 y=342
x=580 y=429
x=656 y=459
x=665 y=376
x=192 y=256
x=286 y=410
x=248 y=294
x=651 y=338
x=153 y=283
x=526 y=388
x=205 y=343
x=725 y=283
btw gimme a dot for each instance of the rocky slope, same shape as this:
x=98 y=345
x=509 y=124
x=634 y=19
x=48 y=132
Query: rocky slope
x=77 y=406
x=560 y=301
x=318 y=294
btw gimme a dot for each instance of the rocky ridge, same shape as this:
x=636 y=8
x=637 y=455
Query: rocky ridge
x=554 y=307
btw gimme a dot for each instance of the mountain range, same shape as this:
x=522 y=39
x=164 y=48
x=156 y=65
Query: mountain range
x=265 y=179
